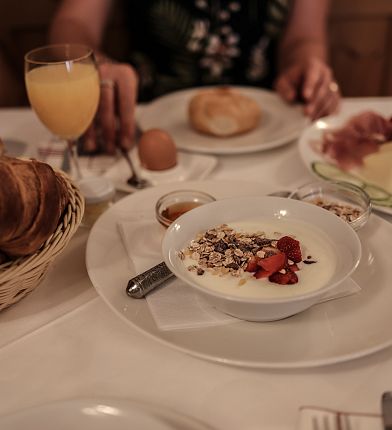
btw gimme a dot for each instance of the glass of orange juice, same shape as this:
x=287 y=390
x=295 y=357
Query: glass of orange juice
x=62 y=85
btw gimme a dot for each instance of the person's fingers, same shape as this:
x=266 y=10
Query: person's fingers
x=314 y=74
x=286 y=88
x=329 y=103
x=127 y=82
x=89 y=139
x=323 y=108
x=320 y=83
x=320 y=94
x=118 y=100
x=106 y=113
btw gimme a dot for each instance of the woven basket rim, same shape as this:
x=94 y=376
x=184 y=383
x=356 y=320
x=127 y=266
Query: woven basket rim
x=66 y=227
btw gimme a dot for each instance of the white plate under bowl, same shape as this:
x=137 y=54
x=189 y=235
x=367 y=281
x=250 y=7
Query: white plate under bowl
x=339 y=236
x=281 y=123
x=312 y=135
x=330 y=332
x=99 y=414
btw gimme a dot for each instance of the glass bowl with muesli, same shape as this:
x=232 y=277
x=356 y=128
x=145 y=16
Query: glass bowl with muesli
x=343 y=199
x=261 y=258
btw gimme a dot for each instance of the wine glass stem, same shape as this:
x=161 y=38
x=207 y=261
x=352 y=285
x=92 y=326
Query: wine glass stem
x=73 y=153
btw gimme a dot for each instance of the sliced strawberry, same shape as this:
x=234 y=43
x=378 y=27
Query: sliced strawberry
x=252 y=265
x=293 y=267
x=284 y=278
x=261 y=273
x=290 y=247
x=274 y=263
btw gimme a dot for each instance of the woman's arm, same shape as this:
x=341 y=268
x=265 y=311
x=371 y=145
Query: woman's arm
x=80 y=21
x=84 y=21
x=303 y=70
x=306 y=33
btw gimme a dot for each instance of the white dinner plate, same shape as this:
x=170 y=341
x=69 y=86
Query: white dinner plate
x=99 y=414
x=330 y=332
x=312 y=135
x=280 y=124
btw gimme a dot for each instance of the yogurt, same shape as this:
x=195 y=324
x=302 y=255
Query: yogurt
x=314 y=243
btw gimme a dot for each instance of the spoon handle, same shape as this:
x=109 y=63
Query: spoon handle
x=147 y=281
x=125 y=154
x=135 y=180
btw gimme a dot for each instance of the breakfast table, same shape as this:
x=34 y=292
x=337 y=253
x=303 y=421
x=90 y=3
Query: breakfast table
x=64 y=342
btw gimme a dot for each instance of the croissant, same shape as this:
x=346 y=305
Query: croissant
x=32 y=200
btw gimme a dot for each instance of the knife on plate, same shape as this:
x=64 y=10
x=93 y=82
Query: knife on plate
x=386 y=407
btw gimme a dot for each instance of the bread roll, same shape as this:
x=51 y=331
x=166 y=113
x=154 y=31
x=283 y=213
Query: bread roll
x=32 y=200
x=223 y=112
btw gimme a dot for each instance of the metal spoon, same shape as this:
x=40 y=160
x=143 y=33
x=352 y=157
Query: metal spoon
x=134 y=181
x=280 y=193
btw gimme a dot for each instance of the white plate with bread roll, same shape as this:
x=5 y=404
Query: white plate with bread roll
x=224 y=120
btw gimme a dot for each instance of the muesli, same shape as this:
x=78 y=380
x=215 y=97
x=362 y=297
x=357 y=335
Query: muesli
x=348 y=213
x=225 y=251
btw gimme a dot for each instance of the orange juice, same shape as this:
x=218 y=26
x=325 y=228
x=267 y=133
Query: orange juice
x=64 y=96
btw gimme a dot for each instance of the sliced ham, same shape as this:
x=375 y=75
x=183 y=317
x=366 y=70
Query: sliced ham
x=360 y=136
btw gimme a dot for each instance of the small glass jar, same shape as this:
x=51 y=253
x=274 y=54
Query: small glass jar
x=345 y=200
x=172 y=205
x=98 y=193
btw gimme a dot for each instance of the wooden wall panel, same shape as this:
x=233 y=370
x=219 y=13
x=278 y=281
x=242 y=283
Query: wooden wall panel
x=359 y=61
x=361 y=46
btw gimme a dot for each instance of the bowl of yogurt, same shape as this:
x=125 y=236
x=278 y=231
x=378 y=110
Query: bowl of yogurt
x=261 y=258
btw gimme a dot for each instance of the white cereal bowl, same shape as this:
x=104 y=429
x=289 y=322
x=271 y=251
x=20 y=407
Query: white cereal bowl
x=342 y=238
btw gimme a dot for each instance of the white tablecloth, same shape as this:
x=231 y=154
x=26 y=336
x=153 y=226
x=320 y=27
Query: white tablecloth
x=63 y=341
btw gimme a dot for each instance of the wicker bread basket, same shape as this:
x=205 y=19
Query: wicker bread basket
x=19 y=277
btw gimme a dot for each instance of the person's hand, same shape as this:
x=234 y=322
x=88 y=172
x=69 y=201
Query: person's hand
x=115 y=116
x=312 y=83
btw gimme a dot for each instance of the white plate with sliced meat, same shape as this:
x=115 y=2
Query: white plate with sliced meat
x=356 y=147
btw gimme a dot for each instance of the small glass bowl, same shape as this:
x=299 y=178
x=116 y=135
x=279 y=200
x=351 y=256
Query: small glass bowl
x=346 y=200
x=172 y=205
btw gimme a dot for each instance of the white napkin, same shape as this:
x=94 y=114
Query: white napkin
x=336 y=420
x=175 y=306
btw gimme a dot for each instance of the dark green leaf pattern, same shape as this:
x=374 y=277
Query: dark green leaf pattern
x=277 y=11
x=204 y=45
x=171 y=23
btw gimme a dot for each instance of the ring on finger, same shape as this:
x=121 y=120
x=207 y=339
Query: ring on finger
x=107 y=83
x=333 y=87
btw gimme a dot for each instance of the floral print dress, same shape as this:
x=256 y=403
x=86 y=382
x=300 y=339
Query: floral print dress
x=185 y=43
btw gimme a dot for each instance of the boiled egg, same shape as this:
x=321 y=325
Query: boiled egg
x=157 y=150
